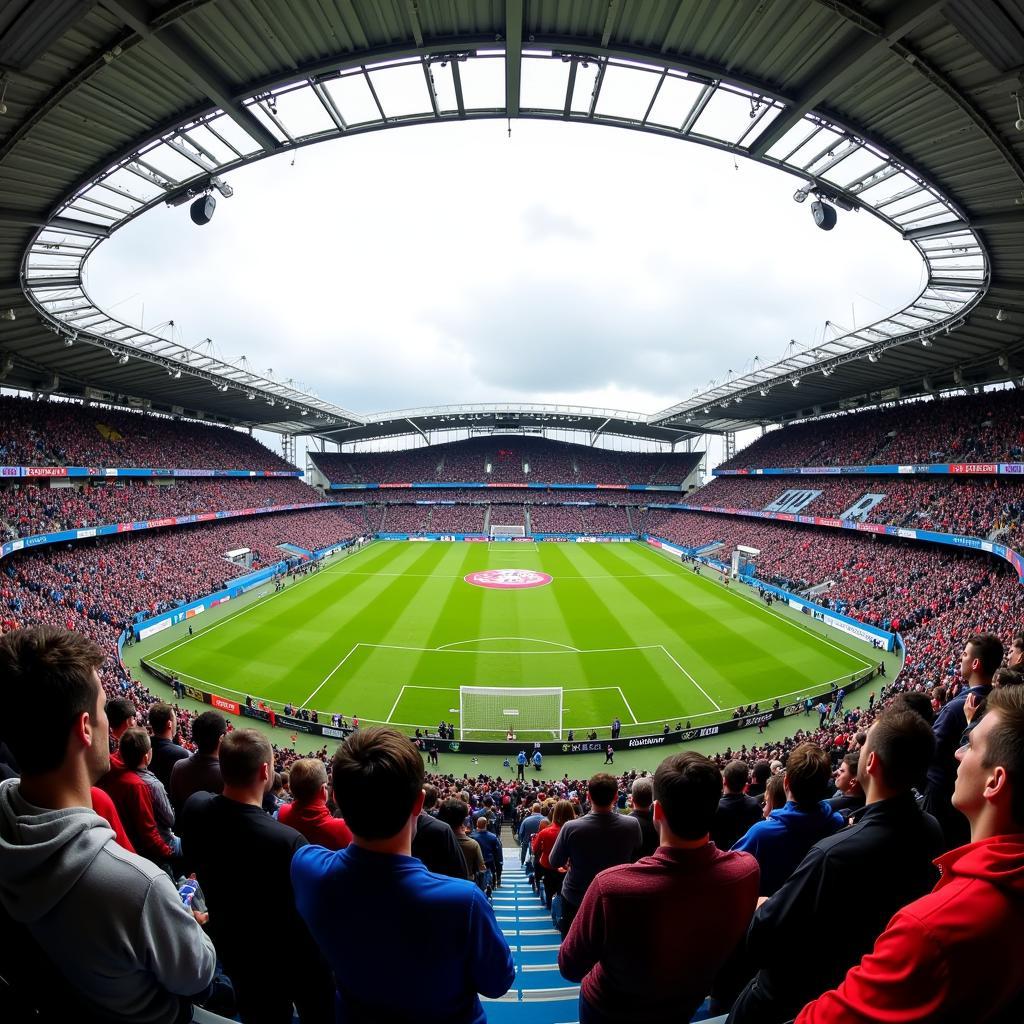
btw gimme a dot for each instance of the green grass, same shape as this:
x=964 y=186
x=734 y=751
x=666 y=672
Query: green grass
x=390 y=634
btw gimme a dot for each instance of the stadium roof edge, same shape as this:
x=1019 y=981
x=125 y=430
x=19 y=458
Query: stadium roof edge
x=937 y=122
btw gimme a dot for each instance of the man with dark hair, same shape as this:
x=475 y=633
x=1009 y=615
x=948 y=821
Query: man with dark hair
x=381 y=965
x=242 y=858
x=454 y=812
x=936 y=960
x=148 y=822
x=490 y=847
x=598 y=840
x=641 y=796
x=982 y=655
x=781 y=840
x=849 y=796
x=736 y=811
x=434 y=842
x=201 y=771
x=80 y=911
x=121 y=714
x=308 y=813
x=1015 y=655
x=626 y=945
x=759 y=776
x=163 y=723
x=885 y=859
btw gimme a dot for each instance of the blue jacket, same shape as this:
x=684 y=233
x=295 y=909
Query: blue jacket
x=528 y=826
x=367 y=912
x=782 y=840
x=490 y=846
x=949 y=728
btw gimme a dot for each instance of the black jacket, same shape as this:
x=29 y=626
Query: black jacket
x=863 y=874
x=435 y=844
x=736 y=813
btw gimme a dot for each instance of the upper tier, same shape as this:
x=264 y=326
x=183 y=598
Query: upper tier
x=987 y=427
x=506 y=459
x=61 y=434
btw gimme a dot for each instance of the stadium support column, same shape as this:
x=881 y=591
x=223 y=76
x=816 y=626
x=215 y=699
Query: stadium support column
x=288 y=448
x=730 y=444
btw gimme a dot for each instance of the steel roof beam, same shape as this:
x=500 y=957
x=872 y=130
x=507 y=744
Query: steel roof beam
x=513 y=55
x=31 y=220
x=844 y=68
x=175 y=45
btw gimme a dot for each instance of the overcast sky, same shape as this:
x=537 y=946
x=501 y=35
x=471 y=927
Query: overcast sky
x=452 y=263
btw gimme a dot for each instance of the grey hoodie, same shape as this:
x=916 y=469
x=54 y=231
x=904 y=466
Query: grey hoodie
x=110 y=920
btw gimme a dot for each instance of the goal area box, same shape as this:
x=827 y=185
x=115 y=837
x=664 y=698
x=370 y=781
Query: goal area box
x=496 y=709
x=507 y=531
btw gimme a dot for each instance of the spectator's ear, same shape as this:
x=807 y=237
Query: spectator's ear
x=418 y=804
x=659 y=814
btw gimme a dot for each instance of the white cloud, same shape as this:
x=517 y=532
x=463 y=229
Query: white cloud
x=451 y=264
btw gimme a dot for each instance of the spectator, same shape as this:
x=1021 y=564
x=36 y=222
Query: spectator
x=642 y=796
x=982 y=655
x=308 y=813
x=759 y=776
x=121 y=716
x=849 y=796
x=201 y=771
x=885 y=858
x=592 y=843
x=238 y=852
x=781 y=840
x=933 y=961
x=625 y=944
x=434 y=842
x=77 y=907
x=528 y=828
x=454 y=813
x=490 y=847
x=736 y=811
x=543 y=842
x=388 y=896
x=166 y=753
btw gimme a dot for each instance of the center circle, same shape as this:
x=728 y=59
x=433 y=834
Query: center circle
x=508 y=579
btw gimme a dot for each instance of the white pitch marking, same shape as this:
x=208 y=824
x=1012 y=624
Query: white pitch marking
x=395 y=705
x=486 y=639
x=688 y=676
x=327 y=677
x=626 y=702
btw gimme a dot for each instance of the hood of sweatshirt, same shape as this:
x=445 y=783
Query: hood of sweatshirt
x=43 y=853
x=998 y=861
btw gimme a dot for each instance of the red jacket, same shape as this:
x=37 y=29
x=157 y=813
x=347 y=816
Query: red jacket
x=315 y=822
x=542 y=843
x=131 y=797
x=104 y=807
x=950 y=956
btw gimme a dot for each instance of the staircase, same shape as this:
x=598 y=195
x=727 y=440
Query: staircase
x=539 y=995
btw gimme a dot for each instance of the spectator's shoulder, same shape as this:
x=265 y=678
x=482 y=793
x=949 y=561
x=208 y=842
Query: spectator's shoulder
x=739 y=863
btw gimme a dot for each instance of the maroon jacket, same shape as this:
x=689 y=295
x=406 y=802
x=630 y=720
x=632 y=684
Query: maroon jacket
x=134 y=803
x=650 y=937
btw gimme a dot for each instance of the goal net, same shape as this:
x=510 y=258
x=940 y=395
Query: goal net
x=496 y=709
x=508 y=531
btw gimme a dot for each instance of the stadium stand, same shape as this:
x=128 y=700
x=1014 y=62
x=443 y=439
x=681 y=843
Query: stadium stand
x=966 y=428
x=972 y=506
x=53 y=433
x=512 y=495
x=33 y=509
x=508 y=457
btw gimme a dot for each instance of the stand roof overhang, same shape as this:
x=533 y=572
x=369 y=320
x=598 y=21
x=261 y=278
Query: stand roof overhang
x=902 y=110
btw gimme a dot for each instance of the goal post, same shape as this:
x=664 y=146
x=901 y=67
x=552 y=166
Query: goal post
x=507 y=531
x=496 y=709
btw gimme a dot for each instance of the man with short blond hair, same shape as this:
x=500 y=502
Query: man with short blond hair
x=308 y=812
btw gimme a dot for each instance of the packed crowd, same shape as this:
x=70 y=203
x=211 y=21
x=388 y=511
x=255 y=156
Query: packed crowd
x=971 y=506
x=556 y=519
x=498 y=495
x=508 y=459
x=913 y=807
x=968 y=428
x=32 y=509
x=456 y=519
x=47 y=432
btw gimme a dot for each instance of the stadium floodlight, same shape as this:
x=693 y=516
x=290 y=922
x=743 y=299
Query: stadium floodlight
x=764 y=392
x=801 y=194
x=123 y=358
x=251 y=396
x=795 y=382
x=926 y=341
x=8 y=314
x=826 y=371
x=1000 y=316
x=873 y=357
x=824 y=215
x=1019 y=123
x=201 y=211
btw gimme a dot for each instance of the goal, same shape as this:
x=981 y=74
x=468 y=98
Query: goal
x=496 y=709
x=507 y=531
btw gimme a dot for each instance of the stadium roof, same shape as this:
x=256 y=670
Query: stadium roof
x=507 y=416
x=900 y=109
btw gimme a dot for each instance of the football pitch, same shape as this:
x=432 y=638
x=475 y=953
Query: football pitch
x=390 y=633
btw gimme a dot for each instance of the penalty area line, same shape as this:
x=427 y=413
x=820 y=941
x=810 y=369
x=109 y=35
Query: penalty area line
x=626 y=702
x=327 y=677
x=668 y=655
x=395 y=705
